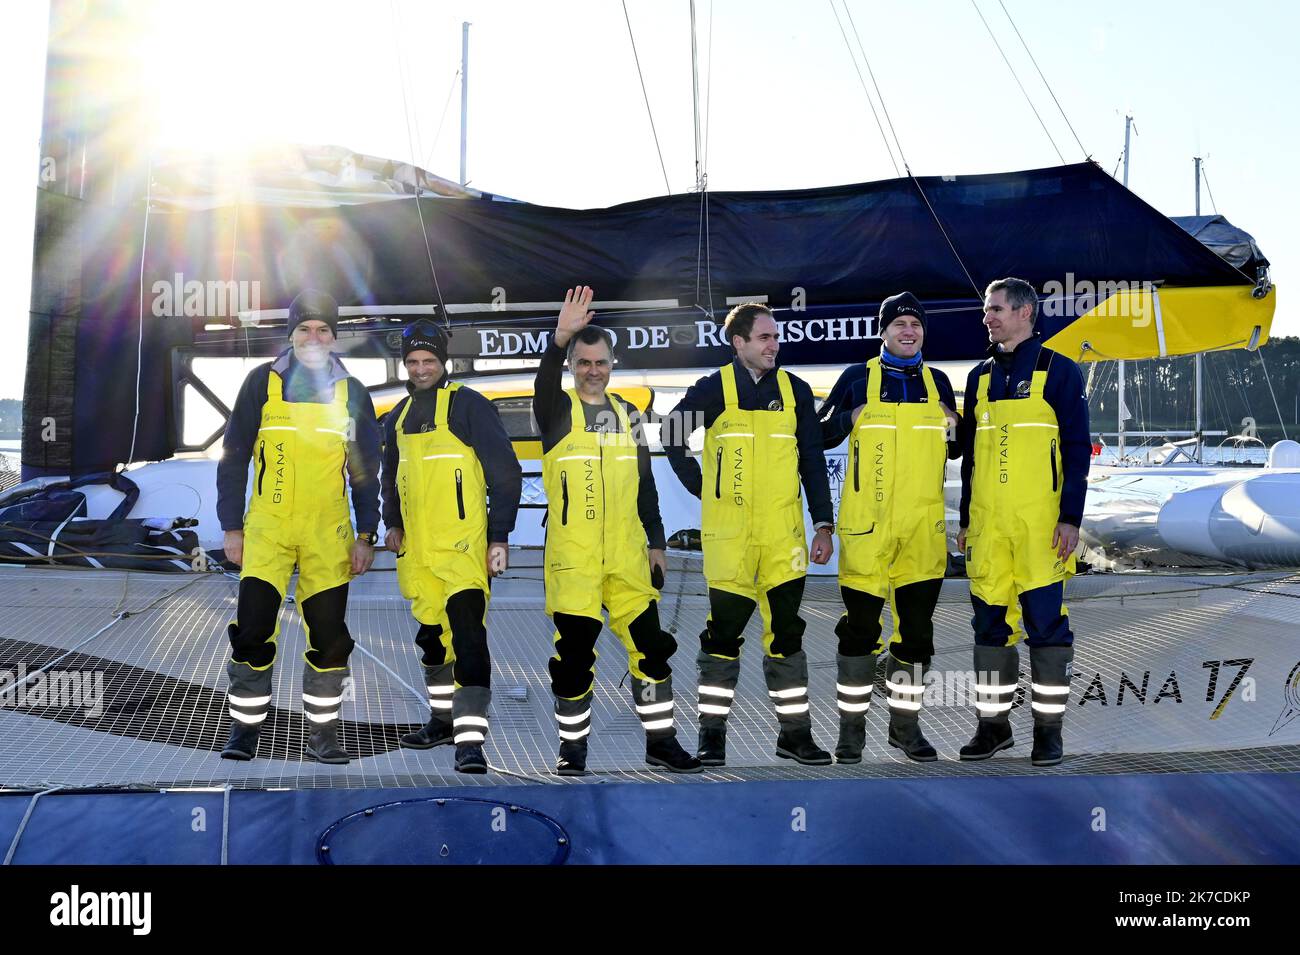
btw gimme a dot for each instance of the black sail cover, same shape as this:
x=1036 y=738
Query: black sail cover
x=112 y=300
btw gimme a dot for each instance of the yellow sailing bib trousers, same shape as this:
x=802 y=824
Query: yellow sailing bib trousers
x=443 y=494
x=298 y=513
x=1016 y=494
x=595 y=542
x=752 y=526
x=891 y=522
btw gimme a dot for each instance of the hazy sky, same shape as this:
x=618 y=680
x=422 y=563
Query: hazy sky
x=557 y=115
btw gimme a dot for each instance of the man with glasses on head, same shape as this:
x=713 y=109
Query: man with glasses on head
x=451 y=486
x=897 y=413
x=762 y=440
x=1026 y=450
x=602 y=512
x=305 y=423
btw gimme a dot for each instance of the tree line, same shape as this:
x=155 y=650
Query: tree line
x=1160 y=392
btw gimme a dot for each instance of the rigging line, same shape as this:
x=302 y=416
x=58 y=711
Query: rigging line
x=870 y=72
x=1272 y=393
x=699 y=249
x=234 y=252
x=1017 y=79
x=403 y=77
x=916 y=182
x=410 y=142
x=1240 y=378
x=1216 y=391
x=1213 y=204
x=979 y=293
x=848 y=46
x=708 y=255
x=708 y=94
x=139 y=347
x=646 y=95
x=442 y=119
x=1085 y=152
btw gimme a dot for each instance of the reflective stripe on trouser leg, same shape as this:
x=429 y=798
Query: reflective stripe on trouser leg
x=440 y=685
x=717 y=688
x=997 y=671
x=654 y=705
x=854 y=682
x=469 y=714
x=905 y=683
x=249 y=696
x=1050 y=669
x=855 y=678
x=322 y=694
x=787 y=687
x=573 y=717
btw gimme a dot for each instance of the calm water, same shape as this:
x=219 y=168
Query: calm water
x=1209 y=455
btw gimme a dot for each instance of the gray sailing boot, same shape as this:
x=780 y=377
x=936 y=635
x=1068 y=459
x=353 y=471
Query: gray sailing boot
x=997 y=672
x=249 y=698
x=1050 y=671
x=654 y=704
x=574 y=720
x=437 y=732
x=787 y=685
x=322 y=697
x=854 y=682
x=469 y=724
x=717 y=691
x=906 y=685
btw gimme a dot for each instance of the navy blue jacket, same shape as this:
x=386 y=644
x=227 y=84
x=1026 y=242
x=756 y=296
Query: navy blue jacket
x=554 y=414
x=299 y=385
x=1063 y=390
x=473 y=420
x=702 y=404
x=896 y=385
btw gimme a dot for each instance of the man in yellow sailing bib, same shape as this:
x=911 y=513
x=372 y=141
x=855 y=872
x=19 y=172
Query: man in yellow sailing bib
x=451 y=485
x=602 y=510
x=305 y=424
x=1026 y=451
x=897 y=413
x=762 y=439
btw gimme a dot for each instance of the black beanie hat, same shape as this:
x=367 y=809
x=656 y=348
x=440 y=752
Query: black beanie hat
x=425 y=336
x=312 y=304
x=904 y=303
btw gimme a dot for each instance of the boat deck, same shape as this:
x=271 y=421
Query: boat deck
x=1173 y=674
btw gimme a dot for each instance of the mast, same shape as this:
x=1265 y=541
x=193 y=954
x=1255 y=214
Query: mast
x=1196 y=163
x=695 y=89
x=464 y=97
x=1119 y=376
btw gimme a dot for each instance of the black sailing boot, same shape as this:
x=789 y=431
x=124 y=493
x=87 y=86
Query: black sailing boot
x=787 y=685
x=322 y=698
x=249 y=698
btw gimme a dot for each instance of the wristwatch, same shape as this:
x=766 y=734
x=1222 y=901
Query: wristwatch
x=370 y=537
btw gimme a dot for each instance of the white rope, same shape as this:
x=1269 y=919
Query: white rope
x=139 y=346
x=22 y=826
